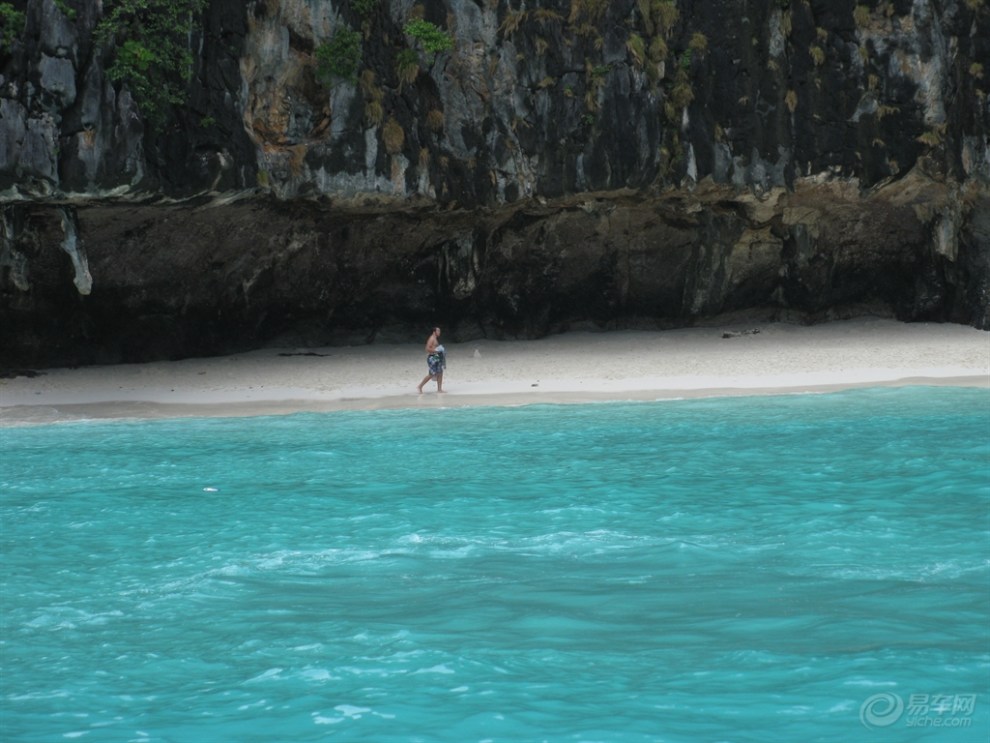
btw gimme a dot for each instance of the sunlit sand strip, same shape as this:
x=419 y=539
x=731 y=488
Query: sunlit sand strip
x=568 y=368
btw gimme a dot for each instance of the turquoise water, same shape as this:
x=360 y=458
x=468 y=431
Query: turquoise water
x=748 y=569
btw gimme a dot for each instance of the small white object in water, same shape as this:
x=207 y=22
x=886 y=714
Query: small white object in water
x=211 y=490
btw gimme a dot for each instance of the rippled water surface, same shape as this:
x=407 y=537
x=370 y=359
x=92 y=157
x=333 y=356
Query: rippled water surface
x=799 y=568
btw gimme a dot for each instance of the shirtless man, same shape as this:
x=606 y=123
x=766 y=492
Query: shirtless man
x=434 y=361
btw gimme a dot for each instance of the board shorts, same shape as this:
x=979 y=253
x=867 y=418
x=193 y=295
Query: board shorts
x=435 y=363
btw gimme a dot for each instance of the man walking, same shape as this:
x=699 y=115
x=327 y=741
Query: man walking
x=436 y=361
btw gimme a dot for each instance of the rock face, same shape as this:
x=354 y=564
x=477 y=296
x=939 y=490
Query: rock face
x=573 y=163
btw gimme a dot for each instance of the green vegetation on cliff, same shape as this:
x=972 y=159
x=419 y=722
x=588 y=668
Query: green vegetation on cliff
x=339 y=57
x=11 y=24
x=433 y=39
x=149 y=45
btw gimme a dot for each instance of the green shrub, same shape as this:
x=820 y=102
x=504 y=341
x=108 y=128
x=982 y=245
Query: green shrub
x=65 y=10
x=148 y=41
x=374 y=111
x=432 y=38
x=658 y=16
x=681 y=94
x=11 y=24
x=364 y=8
x=135 y=59
x=658 y=49
x=339 y=57
x=636 y=48
x=666 y=13
x=407 y=65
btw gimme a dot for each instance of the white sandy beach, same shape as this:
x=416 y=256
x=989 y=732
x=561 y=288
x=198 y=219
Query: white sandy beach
x=574 y=367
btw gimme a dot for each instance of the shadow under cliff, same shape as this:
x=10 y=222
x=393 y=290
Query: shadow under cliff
x=108 y=283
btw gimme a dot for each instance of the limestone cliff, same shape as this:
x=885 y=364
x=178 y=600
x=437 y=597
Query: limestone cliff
x=563 y=163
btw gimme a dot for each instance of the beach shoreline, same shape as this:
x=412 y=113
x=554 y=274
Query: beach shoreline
x=577 y=367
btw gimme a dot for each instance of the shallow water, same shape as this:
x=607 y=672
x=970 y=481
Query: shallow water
x=747 y=569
